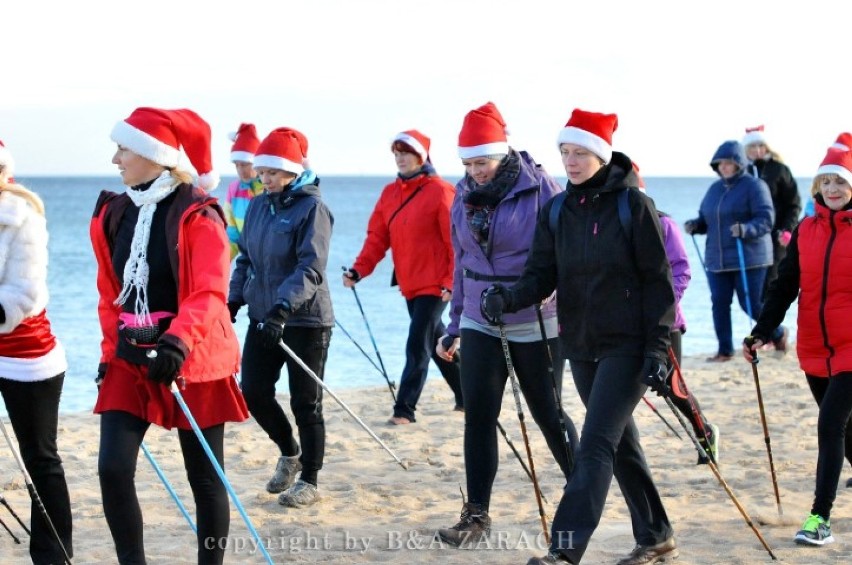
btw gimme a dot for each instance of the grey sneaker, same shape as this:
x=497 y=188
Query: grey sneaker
x=300 y=494
x=285 y=474
x=474 y=525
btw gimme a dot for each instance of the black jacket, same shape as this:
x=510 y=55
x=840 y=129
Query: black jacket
x=784 y=192
x=614 y=292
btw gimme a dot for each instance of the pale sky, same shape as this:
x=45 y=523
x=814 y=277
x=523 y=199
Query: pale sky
x=682 y=76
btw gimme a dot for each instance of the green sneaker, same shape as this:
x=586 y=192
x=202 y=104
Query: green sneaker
x=815 y=531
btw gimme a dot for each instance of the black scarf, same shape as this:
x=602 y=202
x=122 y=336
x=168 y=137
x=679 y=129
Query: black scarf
x=480 y=201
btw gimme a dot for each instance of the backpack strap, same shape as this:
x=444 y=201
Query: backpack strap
x=624 y=214
x=555 y=207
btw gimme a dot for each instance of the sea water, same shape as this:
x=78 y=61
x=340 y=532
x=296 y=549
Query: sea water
x=72 y=310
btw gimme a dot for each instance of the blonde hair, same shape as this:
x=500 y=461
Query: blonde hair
x=181 y=176
x=31 y=197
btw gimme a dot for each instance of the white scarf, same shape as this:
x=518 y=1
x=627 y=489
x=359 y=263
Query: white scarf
x=136 y=268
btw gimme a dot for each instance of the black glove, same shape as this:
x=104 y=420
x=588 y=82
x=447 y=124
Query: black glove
x=351 y=274
x=690 y=227
x=166 y=364
x=102 y=369
x=233 y=309
x=654 y=375
x=493 y=302
x=2 y=315
x=272 y=327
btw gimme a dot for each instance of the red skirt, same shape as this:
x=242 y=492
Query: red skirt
x=126 y=388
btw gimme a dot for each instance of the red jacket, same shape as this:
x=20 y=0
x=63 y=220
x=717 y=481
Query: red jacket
x=418 y=235
x=199 y=254
x=824 y=343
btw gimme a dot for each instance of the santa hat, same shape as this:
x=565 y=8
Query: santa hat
x=245 y=143
x=754 y=135
x=6 y=161
x=837 y=162
x=843 y=141
x=159 y=134
x=416 y=140
x=590 y=130
x=285 y=149
x=483 y=133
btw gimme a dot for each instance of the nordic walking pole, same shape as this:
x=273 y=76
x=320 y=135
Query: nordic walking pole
x=657 y=412
x=518 y=456
x=391 y=384
x=696 y=413
x=569 y=449
x=218 y=468
x=517 y=393
x=370 y=332
x=765 y=430
x=14 y=537
x=14 y=515
x=168 y=486
x=716 y=472
x=33 y=493
x=700 y=258
x=313 y=375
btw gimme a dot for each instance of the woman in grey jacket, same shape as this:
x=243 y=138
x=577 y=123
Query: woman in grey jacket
x=280 y=275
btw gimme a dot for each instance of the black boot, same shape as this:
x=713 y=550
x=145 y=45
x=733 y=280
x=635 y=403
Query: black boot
x=474 y=525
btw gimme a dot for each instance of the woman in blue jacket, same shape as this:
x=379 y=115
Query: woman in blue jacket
x=736 y=207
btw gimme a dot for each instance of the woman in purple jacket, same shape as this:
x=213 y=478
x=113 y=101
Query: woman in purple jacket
x=493 y=219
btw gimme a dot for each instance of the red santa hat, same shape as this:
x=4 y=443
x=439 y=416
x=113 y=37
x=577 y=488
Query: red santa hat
x=158 y=135
x=285 y=149
x=6 y=161
x=416 y=140
x=753 y=136
x=843 y=141
x=483 y=133
x=245 y=143
x=591 y=130
x=837 y=162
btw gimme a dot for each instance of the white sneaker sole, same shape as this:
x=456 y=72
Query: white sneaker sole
x=804 y=540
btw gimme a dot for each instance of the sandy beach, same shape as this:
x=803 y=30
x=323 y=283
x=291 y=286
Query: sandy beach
x=374 y=511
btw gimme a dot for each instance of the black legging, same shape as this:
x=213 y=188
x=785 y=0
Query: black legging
x=423 y=332
x=684 y=404
x=834 y=397
x=483 y=376
x=121 y=435
x=261 y=371
x=33 y=409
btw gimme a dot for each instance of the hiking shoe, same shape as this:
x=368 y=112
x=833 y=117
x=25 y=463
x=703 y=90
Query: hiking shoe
x=302 y=493
x=474 y=525
x=719 y=358
x=781 y=343
x=285 y=473
x=647 y=554
x=815 y=531
x=548 y=559
x=714 y=447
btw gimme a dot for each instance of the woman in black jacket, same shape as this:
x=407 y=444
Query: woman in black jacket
x=615 y=305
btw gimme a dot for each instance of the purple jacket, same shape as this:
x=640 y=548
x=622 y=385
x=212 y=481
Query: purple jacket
x=509 y=241
x=676 y=252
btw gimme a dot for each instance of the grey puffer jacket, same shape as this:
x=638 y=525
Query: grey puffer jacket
x=283 y=256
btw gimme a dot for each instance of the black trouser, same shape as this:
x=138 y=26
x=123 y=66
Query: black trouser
x=33 y=409
x=684 y=404
x=121 y=435
x=423 y=333
x=610 y=389
x=484 y=373
x=834 y=396
x=260 y=372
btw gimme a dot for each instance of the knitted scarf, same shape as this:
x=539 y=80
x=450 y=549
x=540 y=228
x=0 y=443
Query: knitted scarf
x=136 y=268
x=480 y=201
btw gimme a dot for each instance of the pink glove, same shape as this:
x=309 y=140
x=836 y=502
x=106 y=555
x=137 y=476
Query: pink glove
x=784 y=238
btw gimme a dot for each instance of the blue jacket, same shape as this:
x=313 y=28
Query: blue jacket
x=283 y=255
x=741 y=199
x=509 y=243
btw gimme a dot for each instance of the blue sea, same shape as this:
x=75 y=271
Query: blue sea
x=73 y=304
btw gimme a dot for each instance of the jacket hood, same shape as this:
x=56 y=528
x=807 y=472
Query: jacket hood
x=731 y=150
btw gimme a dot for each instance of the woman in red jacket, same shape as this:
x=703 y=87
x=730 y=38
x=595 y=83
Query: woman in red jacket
x=412 y=219
x=817 y=269
x=163 y=267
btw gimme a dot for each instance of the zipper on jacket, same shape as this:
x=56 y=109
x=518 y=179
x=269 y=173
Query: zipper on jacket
x=824 y=291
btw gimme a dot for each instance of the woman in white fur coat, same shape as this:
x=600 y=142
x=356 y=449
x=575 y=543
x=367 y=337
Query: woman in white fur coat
x=32 y=360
